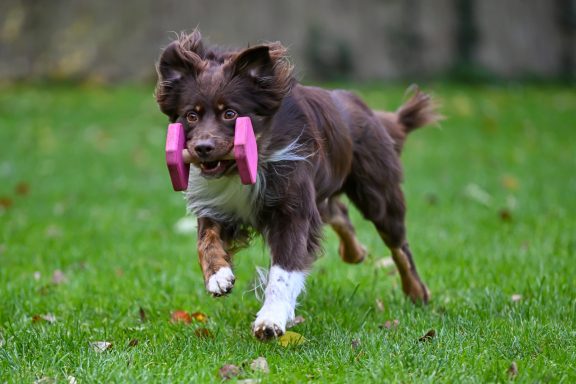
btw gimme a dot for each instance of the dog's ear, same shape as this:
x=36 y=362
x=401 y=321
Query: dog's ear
x=268 y=70
x=254 y=62
x=183 y=57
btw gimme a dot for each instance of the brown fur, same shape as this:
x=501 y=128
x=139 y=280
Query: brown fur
x=344 y=148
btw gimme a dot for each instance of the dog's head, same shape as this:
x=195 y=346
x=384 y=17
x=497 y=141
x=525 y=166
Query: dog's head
x=207 y=89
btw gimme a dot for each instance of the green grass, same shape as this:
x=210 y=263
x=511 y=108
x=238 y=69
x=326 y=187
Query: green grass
x=492 y=204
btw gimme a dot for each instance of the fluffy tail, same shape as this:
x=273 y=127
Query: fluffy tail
x=418 y=111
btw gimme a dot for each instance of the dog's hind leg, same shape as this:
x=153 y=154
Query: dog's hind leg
x=335 y=213
x=214 y=259
x=374 y=187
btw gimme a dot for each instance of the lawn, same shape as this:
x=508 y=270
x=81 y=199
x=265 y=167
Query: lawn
x=90 y=251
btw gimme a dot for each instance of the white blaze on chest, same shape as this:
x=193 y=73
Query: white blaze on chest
x=223 y=198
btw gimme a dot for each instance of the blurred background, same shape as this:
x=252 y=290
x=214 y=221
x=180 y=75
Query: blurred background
x=119 y=41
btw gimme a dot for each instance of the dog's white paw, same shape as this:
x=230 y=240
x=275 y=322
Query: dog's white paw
x=266 y=328
x=221 y=282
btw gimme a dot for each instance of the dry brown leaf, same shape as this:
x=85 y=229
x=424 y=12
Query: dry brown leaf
x=297 y=320
x=512 y=370
x=355 y=343
x=291 y=338
x=5 y=202
x=228 y=371
x=505 y=214
x=260 y=365
x=389 y=324
x=203 y=333
x=516 y=297
x=180 y=317
x=428 y=336
x=48 y=317
x=133 y=342
x=119 y=272
x=142 y=314
x=58 y=277
x=431 y=199
x=22 y=188
x=100 y=346
x=199 y=316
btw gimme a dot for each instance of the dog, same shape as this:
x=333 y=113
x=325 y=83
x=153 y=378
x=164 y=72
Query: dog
x=314 y=145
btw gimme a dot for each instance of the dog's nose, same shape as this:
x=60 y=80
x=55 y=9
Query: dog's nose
x=203 y=148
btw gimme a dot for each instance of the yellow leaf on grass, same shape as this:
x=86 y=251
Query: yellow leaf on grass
x=199 y=316
x=291 y=338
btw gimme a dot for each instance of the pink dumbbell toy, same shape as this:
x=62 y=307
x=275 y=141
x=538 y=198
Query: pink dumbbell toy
x=245 y=153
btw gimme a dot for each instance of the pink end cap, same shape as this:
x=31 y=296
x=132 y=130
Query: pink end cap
x=246 y=151
x=175 y=143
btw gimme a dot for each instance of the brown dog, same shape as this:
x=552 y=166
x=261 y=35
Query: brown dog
x=313 y=145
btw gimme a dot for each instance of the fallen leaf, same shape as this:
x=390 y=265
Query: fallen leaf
x=516 y=297
x=58 y=277
x=505 y=214
x=180 y=317
x=355 y=343
x=431 y=199
x=510 y=182
x=384 y=263
x=5 y=202
x=228 y=371
x=380 y=305
x=119 y=272
x=142 y=314
x=22 y=188
x=260 y=365
x=48 y=317
x=389 y=324
x=199 y=316
x=512 y=370
x=428 y=336
x=133 y=342
x=291 y=338
x=100 y=346
x=203 y=333
x=297 y=320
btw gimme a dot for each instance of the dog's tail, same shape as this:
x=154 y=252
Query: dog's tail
x=418 y=111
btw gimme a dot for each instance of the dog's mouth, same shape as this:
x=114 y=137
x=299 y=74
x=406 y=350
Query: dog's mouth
x=215 y=169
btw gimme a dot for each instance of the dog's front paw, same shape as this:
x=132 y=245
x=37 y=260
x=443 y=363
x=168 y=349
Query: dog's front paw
x=266 y=329
x=271 y=321
x=221 y=283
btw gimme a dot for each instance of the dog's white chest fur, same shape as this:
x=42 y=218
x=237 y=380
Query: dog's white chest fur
x=225 y=198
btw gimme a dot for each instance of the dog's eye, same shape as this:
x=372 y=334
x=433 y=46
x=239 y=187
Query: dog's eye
x=229 y=114
x=192 y=117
